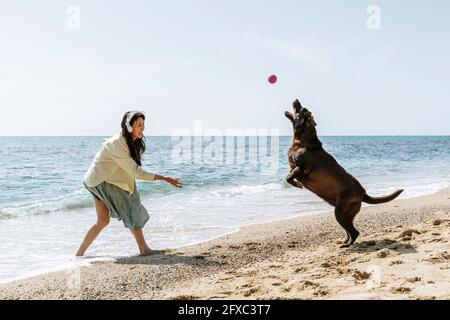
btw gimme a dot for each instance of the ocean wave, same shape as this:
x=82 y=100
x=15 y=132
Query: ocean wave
x=412 y=189
x=248 y=189
x=75 y=200
x=81 y=199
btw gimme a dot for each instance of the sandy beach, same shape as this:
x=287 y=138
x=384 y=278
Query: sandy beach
x=403 y=252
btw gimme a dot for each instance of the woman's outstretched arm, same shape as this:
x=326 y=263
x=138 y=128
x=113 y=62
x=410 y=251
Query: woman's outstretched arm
x=173 y=181
x=121 y=156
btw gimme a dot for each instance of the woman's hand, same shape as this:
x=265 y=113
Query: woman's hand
x=173 y=181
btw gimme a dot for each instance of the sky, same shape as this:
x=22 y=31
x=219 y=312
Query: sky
x=74 y=67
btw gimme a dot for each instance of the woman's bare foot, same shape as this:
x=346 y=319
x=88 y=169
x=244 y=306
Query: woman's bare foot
x=147 y=251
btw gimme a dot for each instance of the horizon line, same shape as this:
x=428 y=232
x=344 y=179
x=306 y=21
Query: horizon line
x=281 y=135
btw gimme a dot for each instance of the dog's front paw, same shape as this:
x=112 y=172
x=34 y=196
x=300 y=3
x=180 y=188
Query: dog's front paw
x=298 y=184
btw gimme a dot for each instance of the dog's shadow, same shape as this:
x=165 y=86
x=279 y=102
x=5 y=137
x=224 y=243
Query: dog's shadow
x=377 y=245
x=168 y=258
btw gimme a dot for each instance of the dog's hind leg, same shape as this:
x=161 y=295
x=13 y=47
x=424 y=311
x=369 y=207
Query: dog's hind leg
x=356 y=206
x=352 y=233
x=345 y=211
x=347 y=239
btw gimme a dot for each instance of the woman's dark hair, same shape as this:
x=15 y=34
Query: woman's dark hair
x=137 y=147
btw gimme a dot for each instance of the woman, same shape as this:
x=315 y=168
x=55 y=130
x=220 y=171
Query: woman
x=111 y=181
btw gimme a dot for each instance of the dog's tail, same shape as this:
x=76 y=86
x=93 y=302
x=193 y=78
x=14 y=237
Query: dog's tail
x=376 y=200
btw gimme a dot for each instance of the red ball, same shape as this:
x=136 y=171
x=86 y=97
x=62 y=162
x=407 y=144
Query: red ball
x=272 y=79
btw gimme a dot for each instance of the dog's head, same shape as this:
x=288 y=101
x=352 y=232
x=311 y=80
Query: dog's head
x=301 y=118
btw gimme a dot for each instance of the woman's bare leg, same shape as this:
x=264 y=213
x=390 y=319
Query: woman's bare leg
x=102 y=222
x=139 y=236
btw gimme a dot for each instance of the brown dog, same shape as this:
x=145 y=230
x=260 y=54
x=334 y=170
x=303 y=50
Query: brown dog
x=316 y=170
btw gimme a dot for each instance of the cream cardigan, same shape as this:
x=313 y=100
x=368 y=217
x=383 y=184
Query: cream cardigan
x=113 y=164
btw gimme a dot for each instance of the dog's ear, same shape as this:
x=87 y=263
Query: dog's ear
x=289 y=115
x=297 y=105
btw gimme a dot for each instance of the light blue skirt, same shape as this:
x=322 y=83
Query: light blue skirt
x=121 y=204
